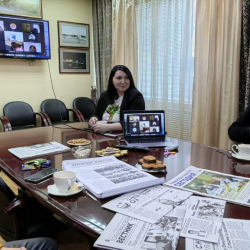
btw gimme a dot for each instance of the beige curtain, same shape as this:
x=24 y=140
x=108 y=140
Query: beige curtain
x=216 y=80
x=124 y=43
x=102 y=37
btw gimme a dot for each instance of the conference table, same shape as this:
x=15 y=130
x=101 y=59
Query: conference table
x=81 y=211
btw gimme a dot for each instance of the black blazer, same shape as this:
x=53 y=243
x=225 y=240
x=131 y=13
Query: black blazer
x=239 y=130
x=132 y=100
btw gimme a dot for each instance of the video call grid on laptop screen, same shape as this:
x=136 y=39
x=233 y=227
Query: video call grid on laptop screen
x=144 y=124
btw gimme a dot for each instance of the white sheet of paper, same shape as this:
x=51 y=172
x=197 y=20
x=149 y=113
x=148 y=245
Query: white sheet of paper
x=149 y=204
x=203 y=219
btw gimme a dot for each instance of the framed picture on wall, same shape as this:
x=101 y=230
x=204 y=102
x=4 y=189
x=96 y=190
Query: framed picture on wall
x=73 y=34
x=27 y=8
x=74 y=61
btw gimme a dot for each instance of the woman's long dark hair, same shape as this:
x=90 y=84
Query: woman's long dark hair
x=111 y=91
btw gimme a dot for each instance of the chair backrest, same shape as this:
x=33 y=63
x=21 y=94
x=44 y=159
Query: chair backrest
x=85 y=105
x=55 y=109
x=23 y=221
x=19 y=114
x=6 y=196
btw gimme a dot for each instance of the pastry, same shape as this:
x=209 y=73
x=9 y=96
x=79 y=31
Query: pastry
x=147 y=166
x=140 y=162
x=160 y=167
x=149 y=159
x=111 y=151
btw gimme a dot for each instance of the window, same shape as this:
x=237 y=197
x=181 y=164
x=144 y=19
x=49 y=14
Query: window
x=165 y=30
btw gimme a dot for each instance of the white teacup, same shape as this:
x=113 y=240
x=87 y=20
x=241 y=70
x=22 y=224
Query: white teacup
x=64 y=180
x=243 y=150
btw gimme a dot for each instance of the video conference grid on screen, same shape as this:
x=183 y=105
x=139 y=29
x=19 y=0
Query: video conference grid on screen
x=25 y=38
x=143 y=124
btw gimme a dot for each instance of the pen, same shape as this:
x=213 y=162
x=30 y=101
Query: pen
x=91 y=196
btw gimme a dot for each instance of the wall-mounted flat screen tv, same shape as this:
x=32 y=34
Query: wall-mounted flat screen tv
x=24 y=38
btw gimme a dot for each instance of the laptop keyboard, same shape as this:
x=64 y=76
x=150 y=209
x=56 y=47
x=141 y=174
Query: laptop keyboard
x=145 y=141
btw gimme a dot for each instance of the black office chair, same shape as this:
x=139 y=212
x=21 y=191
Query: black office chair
x=58 y=113
x=23 y=217
x=20 y=115
x=85 y=105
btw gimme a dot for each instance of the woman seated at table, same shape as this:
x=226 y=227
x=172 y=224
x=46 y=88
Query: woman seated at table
x=121 y=95
x=239 y=131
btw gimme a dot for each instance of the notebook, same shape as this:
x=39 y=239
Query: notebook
x=145 y=128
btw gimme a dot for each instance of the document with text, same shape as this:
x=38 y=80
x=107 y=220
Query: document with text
x=149 y=204
x=38 y=150
x=127 y=233
x=108 y=176
x=203 y=219
x=234 y=235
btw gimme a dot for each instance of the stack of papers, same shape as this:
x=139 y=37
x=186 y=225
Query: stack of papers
x=149 y=219
x=108 y=176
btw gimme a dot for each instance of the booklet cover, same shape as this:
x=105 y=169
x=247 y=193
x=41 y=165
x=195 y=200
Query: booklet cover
x=235 y=189
x=108 y=176
x=38 y=150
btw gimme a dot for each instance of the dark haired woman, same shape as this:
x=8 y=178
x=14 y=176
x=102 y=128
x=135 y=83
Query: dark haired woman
x=121 y=95
x=32 y=48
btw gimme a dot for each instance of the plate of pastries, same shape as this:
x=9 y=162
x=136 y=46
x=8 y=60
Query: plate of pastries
x=78 y=142
x=109 y=151
x=150 y=164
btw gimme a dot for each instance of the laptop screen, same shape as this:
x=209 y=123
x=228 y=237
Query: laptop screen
x=144 y=124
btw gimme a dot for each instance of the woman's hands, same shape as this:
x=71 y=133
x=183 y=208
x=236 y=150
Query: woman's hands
x=101 y=127
x=98 y=126
x=93 y=121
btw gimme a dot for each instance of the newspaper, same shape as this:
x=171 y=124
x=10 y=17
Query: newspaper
x=203 y=219
x=231 y=188
x=127 y=233
x=148 y=204
x=108 y=176
x=235 y=235
x=38 y=150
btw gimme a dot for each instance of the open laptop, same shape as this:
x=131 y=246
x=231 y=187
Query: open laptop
x=145 y=128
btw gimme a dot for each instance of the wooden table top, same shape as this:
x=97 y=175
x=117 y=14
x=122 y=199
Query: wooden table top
x=83 y=212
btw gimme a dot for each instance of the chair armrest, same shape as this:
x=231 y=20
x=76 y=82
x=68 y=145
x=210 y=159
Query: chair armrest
x=6 y=123
x=43 y=118
x=16 y=205
x=47 y=118
x=78 y=116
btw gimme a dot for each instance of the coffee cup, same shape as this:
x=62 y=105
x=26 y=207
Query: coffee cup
x=243 y=150
x=64 y=180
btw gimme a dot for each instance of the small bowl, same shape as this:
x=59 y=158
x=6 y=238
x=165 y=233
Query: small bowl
x=81 y=152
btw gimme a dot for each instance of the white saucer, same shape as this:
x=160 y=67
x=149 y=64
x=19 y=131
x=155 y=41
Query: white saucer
x=237 y=156
x=52 y=189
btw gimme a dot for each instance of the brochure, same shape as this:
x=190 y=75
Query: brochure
x=203 y=219
x=149 y=204
x=234 y=235
x=127 y=233
x=235 y=189
x=107 y=176
x=38 y=150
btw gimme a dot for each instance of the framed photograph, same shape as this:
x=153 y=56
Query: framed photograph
x=74 y=61
x=26 y=8
x=73 y=34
